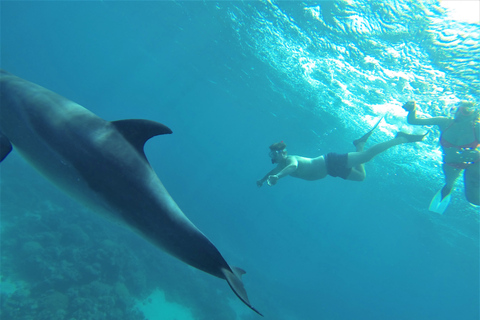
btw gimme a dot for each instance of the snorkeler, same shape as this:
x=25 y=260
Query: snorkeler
x=348 y=166
x=460 y=141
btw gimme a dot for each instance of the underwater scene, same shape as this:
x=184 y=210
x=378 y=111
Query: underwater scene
x=230 y=79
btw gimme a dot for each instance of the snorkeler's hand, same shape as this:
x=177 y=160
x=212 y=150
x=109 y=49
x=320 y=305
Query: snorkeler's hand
x=259 y=183
x=409 y=106
x=272 y=180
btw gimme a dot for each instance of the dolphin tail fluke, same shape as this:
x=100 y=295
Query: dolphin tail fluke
x=235 y=282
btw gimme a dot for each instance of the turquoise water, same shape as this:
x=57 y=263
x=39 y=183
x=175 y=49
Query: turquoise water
x=230 y=78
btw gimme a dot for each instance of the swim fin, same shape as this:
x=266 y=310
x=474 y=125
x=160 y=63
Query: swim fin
x=367 y=135
x=438 y=205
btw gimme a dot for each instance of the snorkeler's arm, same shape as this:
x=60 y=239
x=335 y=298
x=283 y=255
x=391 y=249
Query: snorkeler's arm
x=292 y=164
x=272 y=172
x=412 y=117
x=434 y=121
x=272 y=178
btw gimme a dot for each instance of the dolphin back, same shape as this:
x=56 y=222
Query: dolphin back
x=102 y=164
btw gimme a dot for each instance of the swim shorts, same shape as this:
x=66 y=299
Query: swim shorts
x=337 y=165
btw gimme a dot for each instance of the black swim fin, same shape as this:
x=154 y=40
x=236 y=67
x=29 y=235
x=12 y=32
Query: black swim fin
x=365 y=137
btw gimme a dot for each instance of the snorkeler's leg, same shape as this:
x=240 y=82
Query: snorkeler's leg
x=471 y=179
x=360 y=146
x=358 y=158
x=357 y=174
x=451 y=175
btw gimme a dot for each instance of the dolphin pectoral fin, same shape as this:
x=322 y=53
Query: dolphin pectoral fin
x=138 y=131
x=5 y=147
x=235 y=282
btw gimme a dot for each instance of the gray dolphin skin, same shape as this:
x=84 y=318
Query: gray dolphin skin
x=102 y=164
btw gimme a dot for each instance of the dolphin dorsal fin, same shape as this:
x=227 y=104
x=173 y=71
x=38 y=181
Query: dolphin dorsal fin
x=138 y=131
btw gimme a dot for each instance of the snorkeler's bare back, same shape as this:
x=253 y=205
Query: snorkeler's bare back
x=310 y=168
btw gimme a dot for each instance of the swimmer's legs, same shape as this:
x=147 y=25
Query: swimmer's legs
x=360 y=157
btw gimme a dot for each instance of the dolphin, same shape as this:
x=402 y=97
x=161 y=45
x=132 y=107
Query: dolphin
x=102 y=164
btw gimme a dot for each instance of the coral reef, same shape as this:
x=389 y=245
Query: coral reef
x=70 y=264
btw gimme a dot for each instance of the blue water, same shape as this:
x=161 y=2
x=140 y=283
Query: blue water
x=230 y=78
